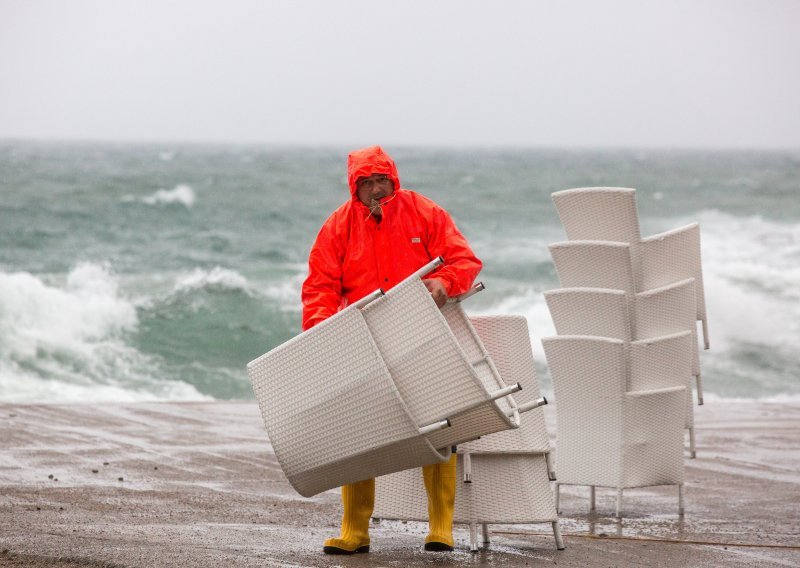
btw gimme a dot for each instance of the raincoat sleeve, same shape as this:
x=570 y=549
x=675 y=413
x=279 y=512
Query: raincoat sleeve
x=322 y=289
x=461 y=266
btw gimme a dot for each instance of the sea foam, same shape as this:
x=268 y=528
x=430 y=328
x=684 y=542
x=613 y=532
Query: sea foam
x=217 y=277
x=181 y=194
x=67 y=341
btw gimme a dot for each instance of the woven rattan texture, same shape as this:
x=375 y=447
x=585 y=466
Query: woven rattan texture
x=590 y=311
x=667 y=310
x=423 y=357
x=408 y=453
x=593 y=264
x=663 y=362
x=470 y=425
x=598 y=213
x=672 y=256
x=507 y=339
x=601 y=214
x=327 y=399
x=607 y=437
x=589 y=383
x=653 y=449
x=475 y=351
x=505 y=489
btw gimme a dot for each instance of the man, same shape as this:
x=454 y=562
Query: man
x=379 y=237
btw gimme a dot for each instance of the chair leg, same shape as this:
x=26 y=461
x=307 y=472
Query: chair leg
x=557 y=535
x=485 y=534
x=692 y=448
x=680 y=499
x=467 y=467
x=551 y=472
x=619 y=502
x=591 y=498
x=473 y=537
x=557 y=498
x=707 y=345
x=699 y=382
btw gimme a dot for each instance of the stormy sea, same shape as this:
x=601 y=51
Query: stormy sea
x=156 y=272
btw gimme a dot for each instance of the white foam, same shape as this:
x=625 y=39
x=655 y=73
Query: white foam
x=217 y=277
x=751 y=269
x=65 y=342
x=181 y=194
x=286 y=292
x=37 y=317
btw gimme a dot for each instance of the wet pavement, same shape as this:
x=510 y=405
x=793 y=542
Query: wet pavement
x=196 y=484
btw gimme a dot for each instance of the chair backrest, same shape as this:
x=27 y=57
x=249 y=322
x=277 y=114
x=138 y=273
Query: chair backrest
x=590 y=311
x=672 y=256
x=666 y=310
x=601 y=214
x=661 y=362
x=589 y=382
x=664 y=362
x=593 y=264
x=507 y=339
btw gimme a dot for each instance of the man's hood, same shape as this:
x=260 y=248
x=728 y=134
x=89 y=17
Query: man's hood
x=368 y=161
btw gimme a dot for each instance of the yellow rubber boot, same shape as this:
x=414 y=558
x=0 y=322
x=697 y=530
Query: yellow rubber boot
x=358 y=499
x=440 y=483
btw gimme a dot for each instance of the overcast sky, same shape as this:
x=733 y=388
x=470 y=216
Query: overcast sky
x=511 y=73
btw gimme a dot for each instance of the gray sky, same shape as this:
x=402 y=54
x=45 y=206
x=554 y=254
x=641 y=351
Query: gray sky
x=589 y=73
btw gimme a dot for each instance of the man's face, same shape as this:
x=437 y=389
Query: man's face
x=370 y=190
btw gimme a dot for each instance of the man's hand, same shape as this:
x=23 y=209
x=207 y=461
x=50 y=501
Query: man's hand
x=436 y=288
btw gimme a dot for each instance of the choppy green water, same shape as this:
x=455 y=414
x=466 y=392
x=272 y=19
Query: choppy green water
x=137 y=272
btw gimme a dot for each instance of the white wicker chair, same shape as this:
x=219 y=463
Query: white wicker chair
x=594 y=264
x=590 y=311
x=505 y=476
x=601 y=214
x=673 y=256
x=607 y=436
x=369 y=391
x=666 y=310
x=607 y=313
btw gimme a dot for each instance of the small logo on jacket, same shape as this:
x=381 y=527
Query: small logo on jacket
x=416 y=240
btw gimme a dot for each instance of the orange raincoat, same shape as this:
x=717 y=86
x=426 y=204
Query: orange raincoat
x=354 y=255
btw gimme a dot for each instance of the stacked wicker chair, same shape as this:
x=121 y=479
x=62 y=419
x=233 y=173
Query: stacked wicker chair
x=626 y=345
x=505 y=477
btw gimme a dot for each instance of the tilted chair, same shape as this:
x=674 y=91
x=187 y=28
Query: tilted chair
x=505 y=476
x=609 y=436
x=375 y=388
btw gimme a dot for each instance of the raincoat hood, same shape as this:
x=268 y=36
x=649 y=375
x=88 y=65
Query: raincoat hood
x=368 y=161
